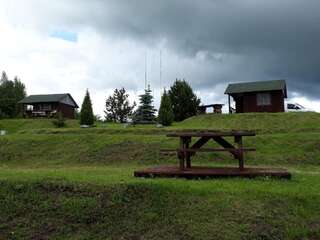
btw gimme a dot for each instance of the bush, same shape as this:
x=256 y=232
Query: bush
x=59 y=122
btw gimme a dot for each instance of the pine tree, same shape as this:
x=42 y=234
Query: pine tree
x=11 y=92
x=145 y=112
x=4 y=77
x=86 y=114
x=184 y=102
x=118 y=108
x=165 y=111
x=19 y=94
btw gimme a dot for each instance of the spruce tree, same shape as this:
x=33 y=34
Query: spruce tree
x=86 y=114
x=145 y=112
x=165 y=111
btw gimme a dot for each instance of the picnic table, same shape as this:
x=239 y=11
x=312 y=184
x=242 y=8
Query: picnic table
x=193 y=141
x=186 y=150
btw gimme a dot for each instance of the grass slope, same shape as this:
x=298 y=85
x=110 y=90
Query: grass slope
x=74 y=183
x=260 y=122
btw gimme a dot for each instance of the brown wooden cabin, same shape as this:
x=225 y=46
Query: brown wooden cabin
x=262 y=96
x=49 y=105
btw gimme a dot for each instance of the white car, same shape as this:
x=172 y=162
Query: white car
x=295 y=107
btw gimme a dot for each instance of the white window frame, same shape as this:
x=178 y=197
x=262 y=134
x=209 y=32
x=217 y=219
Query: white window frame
x=263 y=99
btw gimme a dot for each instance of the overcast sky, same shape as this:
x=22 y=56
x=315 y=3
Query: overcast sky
x=70 y=45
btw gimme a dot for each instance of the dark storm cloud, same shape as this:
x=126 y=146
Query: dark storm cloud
x=255 y=40
x=239 y=40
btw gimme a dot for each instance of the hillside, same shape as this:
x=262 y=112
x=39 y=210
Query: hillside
x=260 y=122
x=77 y=183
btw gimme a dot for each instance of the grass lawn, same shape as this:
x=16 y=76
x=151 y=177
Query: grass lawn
x=74 y=183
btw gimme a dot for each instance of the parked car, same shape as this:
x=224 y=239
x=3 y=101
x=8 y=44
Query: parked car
x=295 y=107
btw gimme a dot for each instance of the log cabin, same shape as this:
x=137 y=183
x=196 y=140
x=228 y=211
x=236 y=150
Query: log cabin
x=262 y=96
x=49 y=105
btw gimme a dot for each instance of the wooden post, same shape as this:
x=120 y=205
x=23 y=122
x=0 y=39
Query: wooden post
x=182 y=157
x=188 y=155
x=238 y=141
x=229 y=103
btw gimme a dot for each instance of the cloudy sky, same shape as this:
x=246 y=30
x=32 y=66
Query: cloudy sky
x=70 y=45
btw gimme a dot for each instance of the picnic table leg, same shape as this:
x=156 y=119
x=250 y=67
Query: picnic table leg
x=238 y=141
x=188 y=154
x=182 y=155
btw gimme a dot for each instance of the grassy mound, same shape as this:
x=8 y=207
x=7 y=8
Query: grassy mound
x=282 y=140
x=260 y=122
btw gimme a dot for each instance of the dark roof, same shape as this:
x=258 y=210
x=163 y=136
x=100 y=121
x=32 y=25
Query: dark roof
x=46 y=98
x=260 y=86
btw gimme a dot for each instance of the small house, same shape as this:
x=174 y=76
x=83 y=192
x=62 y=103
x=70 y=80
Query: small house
x=262 y=96
x=49 y=105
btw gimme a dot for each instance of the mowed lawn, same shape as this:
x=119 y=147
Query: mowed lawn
x=74 y=183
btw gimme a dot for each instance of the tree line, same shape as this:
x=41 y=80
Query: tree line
x=177 y=104
x=11 y=92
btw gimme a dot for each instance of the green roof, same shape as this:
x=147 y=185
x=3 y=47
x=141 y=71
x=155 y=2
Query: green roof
x=46 y=98
x=259 y=86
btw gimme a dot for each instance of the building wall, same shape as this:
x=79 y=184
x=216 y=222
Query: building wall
x=248 y=103
x=66 y=110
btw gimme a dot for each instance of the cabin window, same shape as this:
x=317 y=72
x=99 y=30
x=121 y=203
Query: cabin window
x=29 y=107
x=45 y=107
x=263 y=99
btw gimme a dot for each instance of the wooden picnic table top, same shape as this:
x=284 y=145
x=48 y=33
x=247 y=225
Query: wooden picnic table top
x=211 y=133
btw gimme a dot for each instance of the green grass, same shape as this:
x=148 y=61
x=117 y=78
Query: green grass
x=261 y=123
x=74 y=183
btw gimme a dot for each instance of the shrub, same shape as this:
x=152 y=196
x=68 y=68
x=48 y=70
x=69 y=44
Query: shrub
x=59 y=121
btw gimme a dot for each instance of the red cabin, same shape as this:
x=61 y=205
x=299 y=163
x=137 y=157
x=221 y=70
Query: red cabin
x=262 y=96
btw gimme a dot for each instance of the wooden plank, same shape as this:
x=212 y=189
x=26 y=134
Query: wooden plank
x=199 y=143
x=211 y=134
x=238 y=141
x=224 y=143
x=187 y=153
x=182 y=156
x=212 y=172
x=217 y=149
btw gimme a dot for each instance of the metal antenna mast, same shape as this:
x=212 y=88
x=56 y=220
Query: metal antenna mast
x=160 y=72
x=145 y=71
